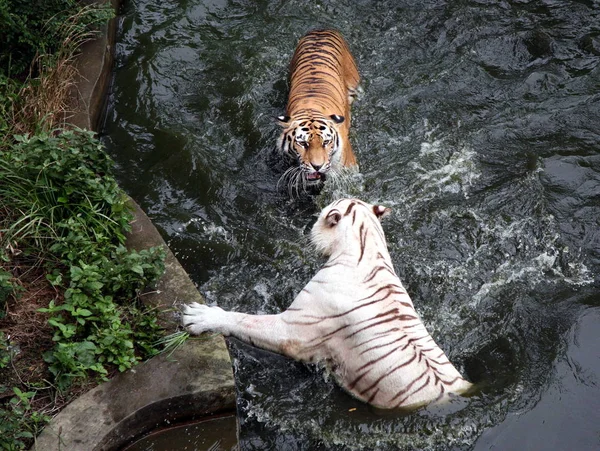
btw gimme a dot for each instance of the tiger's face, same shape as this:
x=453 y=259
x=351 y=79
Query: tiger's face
x=313 y=147
x=340 y=222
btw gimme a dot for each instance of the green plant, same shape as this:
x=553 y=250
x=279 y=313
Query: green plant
x=62 y=187
x=67 y=209
x=5 y=353
x=171 y=342
x=39 y=42
x=60 y=206
x=30 y=28
x=6 y=289
x=9 y=90
x=145 y=327
x=19 y=422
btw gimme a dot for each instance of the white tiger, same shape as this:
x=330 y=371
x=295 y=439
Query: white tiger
x=354 y=315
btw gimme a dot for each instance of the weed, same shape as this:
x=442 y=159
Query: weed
x=5 y=351
x=40 y=40
x=171 y=342
x=67 y=209
x=61 y=194
x=19 y=422
x=9 y=97
x=30 y=28
x=7 y=288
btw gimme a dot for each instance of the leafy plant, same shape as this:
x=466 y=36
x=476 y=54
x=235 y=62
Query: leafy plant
x=60 y=205
x=5 y=353
x=19 y=422
x=7 y=288
x=67 y=209
x=29 y=28
x=40 y=40
x=61 y=184
x=9 y=90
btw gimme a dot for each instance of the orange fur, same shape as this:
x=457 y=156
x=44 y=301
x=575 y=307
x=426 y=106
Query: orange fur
x=323 y=83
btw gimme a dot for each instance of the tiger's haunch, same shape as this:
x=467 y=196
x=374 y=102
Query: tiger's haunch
x=323 y=83
x=354 y=315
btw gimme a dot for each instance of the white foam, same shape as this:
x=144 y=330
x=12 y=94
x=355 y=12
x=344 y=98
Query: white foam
x=263 y=291
x=430 y=148
x=456 y=176
x=439 y=170
x=533 y=271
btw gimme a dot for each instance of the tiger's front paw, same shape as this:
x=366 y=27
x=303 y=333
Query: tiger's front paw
x=198 y=318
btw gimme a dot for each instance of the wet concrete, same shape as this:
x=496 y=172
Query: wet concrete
x=194 y=381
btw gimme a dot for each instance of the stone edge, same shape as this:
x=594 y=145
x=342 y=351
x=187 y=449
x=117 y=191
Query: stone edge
x=196 y=380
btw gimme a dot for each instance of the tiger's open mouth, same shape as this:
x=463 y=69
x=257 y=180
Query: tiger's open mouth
x=315 y=177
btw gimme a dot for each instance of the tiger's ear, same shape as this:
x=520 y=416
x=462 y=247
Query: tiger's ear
x=283 y=120
x=333 y=218
x=381 y=211
x=337 y=119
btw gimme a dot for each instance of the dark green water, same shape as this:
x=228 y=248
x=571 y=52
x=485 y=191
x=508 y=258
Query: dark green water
x=479 y=125
x=214 y=434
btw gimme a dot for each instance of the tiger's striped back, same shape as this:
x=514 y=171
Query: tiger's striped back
x=365 y=321
x=323 y=83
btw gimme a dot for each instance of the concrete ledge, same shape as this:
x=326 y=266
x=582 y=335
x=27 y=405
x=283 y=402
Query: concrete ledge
x=195 y=381
x=94 y=67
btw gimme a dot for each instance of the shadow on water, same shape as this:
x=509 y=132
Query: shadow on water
x=478 y=125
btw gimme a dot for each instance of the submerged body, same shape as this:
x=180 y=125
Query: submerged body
x=323 y=83
x=354 y=315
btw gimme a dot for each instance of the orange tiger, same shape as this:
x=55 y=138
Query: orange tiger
x=323 y=83
x=354 y=315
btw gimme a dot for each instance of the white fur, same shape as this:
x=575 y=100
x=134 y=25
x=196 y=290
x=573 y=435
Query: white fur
x=354 y=315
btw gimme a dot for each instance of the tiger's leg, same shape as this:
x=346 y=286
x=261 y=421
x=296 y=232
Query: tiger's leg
x=264 y=331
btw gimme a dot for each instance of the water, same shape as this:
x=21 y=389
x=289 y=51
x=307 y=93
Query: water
x=478 y=125
x=214 y=434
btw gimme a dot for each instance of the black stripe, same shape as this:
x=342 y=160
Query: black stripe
x=413 y=340
x=358 y=379
x=330 y=334
x=383 y=345
x=339 y=315
x=393 y=370
x=378 y=359
x=378 y=335
x=374 y=272
x=349 y=209
x=363 y=239
x=373 y=396
x=421 y=387
x=408 y=387
x=369 y=326
x=389 y=286
x=407 y=317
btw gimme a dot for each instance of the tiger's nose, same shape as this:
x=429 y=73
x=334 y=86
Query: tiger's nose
x=316 y=167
